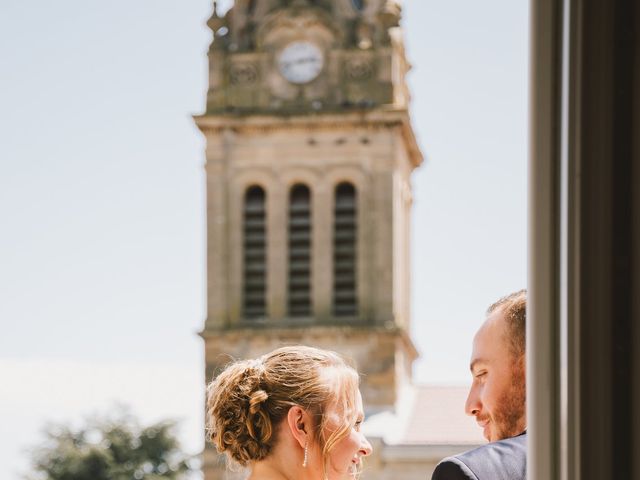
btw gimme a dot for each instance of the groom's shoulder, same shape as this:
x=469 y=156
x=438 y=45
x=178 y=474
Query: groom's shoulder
x=505 y=459
x=509 y=450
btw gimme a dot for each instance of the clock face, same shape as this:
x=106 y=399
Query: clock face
x=300 y=62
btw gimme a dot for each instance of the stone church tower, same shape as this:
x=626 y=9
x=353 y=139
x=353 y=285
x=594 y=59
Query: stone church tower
x=309 y=155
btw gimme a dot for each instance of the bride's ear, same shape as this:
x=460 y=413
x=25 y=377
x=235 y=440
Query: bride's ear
x=299 y=423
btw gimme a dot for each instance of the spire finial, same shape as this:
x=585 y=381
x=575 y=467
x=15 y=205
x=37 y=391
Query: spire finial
x=215 y=22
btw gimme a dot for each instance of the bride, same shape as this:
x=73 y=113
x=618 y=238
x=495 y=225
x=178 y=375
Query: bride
x=292 y=414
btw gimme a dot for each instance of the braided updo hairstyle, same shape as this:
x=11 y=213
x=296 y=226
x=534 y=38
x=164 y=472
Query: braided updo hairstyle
x=247 y=401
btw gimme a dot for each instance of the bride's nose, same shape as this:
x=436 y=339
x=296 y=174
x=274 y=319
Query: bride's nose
x=365 y=447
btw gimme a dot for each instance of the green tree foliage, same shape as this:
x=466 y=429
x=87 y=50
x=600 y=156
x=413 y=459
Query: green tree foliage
x=112 y=449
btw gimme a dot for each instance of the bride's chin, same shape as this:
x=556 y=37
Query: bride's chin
x=349 y=474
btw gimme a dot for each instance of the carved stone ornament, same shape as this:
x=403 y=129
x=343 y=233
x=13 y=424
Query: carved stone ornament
x=243 y=74
x=359 y=69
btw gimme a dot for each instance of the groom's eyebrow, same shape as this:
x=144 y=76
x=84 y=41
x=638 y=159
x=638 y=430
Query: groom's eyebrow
x=475 y=362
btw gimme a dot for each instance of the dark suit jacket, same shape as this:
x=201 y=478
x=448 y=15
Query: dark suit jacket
x=503 y=460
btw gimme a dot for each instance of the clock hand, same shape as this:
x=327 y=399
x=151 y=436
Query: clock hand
x=293 y=63
x=305 y=60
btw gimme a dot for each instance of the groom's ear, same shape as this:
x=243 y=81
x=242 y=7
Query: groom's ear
x=298 y=421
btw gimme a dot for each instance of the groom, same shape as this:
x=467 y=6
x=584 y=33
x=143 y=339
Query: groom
x=497 y=397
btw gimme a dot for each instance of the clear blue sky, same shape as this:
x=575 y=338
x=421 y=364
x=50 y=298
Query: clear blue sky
x=102 y=200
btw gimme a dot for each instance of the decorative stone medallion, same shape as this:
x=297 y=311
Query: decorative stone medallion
x=243 y=74
x=359 y=69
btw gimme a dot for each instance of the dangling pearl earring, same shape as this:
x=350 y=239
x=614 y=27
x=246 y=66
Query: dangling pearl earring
x=306 y=455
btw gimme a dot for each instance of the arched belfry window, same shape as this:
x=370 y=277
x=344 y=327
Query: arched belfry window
x=299 y=251
x=358 y=4
x=254 y=253
x=345 y=301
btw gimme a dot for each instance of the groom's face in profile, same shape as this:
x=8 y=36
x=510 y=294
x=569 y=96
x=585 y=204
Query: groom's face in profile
x=497 y=396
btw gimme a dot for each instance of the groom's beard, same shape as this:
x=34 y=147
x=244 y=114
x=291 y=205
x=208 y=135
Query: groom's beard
x=509 y=413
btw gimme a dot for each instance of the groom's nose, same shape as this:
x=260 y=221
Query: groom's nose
x=473 y=404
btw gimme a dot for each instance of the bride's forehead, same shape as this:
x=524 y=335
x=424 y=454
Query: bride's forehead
x=341 y=379
x=348 y=403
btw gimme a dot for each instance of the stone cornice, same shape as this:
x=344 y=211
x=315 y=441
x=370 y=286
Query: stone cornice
x=381 y=117
x=303 y=329
x=278 y=331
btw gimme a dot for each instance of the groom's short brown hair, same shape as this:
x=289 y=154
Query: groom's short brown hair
x=514 y=309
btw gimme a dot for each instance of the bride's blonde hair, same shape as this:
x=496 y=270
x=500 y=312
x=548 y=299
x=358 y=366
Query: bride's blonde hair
x=247 y=401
